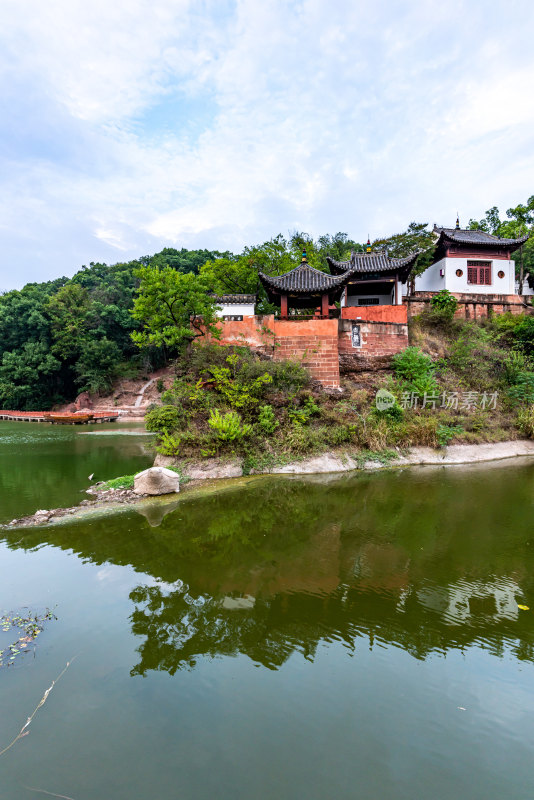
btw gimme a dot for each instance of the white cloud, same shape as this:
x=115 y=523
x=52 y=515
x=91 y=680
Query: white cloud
x=212 y=124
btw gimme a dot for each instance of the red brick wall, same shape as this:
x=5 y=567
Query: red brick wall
x=322 y=345
x=378 y=338
x=470 y=306
x=314 y=342
x=376 y=313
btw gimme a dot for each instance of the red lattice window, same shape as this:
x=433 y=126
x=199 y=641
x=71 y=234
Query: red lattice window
x=479 y=272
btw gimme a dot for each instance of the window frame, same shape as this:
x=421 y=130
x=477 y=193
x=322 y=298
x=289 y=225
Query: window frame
x=478 y=269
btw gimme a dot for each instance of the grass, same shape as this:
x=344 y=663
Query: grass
x=124 y=482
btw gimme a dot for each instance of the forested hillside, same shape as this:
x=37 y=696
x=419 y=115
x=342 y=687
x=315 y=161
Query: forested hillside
x=69 y=335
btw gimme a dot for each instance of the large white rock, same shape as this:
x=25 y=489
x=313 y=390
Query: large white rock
x=157 y=480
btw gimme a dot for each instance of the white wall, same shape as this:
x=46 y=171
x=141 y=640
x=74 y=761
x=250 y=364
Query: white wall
x=236 y=309
x=431 y=281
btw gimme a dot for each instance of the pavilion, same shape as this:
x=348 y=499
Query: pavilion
x=373 y=278
x=305 y=287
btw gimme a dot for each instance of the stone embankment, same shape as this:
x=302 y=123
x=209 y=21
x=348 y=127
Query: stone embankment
x=210 y=469
x=218 y=470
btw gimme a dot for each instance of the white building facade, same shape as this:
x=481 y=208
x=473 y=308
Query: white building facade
x=235 y=306
x=471 y=262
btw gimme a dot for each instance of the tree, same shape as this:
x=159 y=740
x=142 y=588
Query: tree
x=174 y=308
x=401 y=245
x=68 y=310
x=97 y=365
x=520 y=223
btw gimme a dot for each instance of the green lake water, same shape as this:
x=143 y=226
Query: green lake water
x=356 y=636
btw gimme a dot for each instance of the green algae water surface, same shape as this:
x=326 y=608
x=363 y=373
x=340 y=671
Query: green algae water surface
x=366 y=636
x=48 y=466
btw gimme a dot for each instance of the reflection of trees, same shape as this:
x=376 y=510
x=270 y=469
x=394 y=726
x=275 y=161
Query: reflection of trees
x=179 y=629
x=375 y=556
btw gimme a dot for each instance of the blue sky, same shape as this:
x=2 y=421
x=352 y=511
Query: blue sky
x=130 y=126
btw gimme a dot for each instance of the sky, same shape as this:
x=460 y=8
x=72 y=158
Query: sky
x=130 y=126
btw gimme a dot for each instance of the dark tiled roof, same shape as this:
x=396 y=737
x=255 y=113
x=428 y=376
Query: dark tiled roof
x=477 y=237
x=234 y=298
x=304 y=280
x=371 y=262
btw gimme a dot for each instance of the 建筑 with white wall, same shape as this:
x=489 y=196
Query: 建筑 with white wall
x=442 y=275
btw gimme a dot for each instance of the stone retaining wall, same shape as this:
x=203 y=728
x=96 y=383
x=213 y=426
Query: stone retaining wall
x=472 y=306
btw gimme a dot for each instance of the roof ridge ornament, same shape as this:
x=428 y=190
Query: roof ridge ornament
x=304 y=259
x=368 y=245
x=457 y=221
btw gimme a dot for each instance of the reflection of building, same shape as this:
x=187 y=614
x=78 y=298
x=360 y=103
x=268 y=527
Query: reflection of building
x=467 y=601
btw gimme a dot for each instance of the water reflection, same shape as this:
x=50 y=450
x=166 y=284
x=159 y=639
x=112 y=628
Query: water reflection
x=425 y=560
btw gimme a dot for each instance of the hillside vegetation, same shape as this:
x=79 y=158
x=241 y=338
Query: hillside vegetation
x=458 y=382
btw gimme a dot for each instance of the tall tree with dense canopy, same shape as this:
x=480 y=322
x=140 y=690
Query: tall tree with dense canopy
x=173 y=308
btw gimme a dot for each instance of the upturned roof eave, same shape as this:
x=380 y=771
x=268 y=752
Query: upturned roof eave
x=276 y=283
x=450 y=235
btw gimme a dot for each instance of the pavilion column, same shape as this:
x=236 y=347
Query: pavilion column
x=396 y=290
x=324 y=305
x=283 y=306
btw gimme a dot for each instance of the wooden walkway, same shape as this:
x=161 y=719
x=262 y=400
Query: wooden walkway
x=40 y=416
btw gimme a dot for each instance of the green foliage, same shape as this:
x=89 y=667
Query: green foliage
x=174 y=308
x=445 y=302
x=522 y=391
x=228 y=427
x=29 y=377
x=287 y=377
x=525 y=421
x=416 y=370
x=96 y=366
x=267 y=421
x=237 y=392
x=301 y=415
x=169 y=444
x=445 y=433
x=393 y=413
x=160 y=385
x=523 y=334
x=515 y=363
x=163 y=418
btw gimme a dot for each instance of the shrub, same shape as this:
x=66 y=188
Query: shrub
x=444 y=302
x=162 y=418
x=267 y=421
x=412 y=364
x=515 y=363
x=237 y=393
x=416 y=369
x=524 y=334
x=160 y=385
x=444 y=433
x=522 y=390
x=228 y=427
x=302 y=414
x=525 y=421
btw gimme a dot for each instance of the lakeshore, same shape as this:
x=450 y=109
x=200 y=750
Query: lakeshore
x=218 y=475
